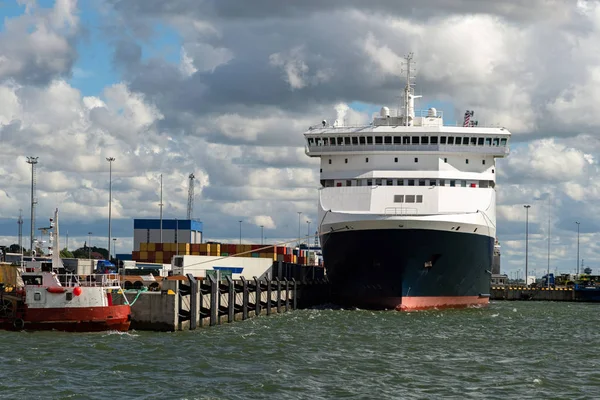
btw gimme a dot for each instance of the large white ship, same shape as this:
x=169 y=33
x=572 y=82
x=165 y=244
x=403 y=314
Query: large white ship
x=407 y=207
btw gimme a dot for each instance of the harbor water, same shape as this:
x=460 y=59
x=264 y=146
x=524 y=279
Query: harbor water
x=508 y=350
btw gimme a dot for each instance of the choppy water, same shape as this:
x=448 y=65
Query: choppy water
x=509 y=350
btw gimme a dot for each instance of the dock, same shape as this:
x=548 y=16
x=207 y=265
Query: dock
x=535 y=294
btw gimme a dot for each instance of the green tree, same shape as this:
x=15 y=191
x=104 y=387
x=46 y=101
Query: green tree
x=64 y=253
x=15 y=248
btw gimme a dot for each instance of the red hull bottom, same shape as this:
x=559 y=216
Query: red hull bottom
x=416 y=303
x=81 y=319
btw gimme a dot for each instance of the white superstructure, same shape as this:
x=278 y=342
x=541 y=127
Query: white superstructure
x=408 y=171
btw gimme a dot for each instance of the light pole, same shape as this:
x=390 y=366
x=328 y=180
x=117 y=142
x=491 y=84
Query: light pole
x=90 y=245
x=548 y=273
x=114 y=247
x=240 y=231
x=261 y=234
x=577 y=247
x=526 y=242
x=110 y=161
x=299 y=213
x=307 y=234
x=161 y=209
x=33 y=161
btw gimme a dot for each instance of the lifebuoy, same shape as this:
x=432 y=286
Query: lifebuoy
x=19 y=323
x=56 y=289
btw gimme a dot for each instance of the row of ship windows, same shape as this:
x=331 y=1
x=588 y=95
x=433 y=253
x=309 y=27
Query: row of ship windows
x=396 y=160
x=407 y=182
x=407 y=140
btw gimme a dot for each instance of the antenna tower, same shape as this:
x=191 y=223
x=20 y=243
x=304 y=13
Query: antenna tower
x=408 y=68
x=33 y=161
x=190 y=205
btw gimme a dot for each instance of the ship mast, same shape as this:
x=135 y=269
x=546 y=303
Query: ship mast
x=409 y=103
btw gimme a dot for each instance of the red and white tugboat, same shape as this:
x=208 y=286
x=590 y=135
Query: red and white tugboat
x=47 y=299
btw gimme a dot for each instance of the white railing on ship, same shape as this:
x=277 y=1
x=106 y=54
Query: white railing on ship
x=393 y=211
x=94 y=280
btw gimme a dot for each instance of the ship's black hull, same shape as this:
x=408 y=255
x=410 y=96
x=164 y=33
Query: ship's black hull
x=408 y=269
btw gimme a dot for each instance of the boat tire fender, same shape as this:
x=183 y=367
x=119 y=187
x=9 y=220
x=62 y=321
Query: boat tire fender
x=19 y=323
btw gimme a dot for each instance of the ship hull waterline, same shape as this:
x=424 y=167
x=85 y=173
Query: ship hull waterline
x=408 y=269
x=72 y=319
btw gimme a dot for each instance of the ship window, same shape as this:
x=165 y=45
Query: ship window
x=458 y=140
x=358 y=182
x=503 y=142
x=367 y=159
x=415 y=140
x=399 y=198
x=318 y=141
x=421 y=182
x=467 y=161
x=488 y=141
x=405 y=139
x=311 y=141
x=377 y=182
x=463 y=183
x=400 y=182
x=325 y=142
x=320 y=171
x=434 y=140
x=452 y=183
x=465 y=141
x=340 y=141
x=347 y=141
x=480 y=141
x=338 y=184
x=473 y=141
x=410 y=198
x=348 y=183
x=330 y=161
x=483 y=162
x=332 y=141
x=433 y=182
x=416 y=159
x=389 y=182
x=387 y=140
x=378 y=140
x=483 y=184
x=451 y=140
x=361 y=140
x=411 y=182
x=442 y=139
x=495 y=141
x=369 y=139
x=442 y=182
x=419 y=198
x=345 y=161
x=369 y=182
x=397 y=140
x=424 y=140
x=395 y=159
x=37 y=296
x=354 y=140
x=492 y=171
x=445 y=160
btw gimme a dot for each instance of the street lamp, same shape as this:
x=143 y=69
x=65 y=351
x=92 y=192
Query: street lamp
x=114 y=248
x=33 y=161
x=299 y=213
x=577 y=247
x=240 y=231
x=261 y=234
x=307 y=234
x=526 y=242
x=110 y=161
x=90 y=245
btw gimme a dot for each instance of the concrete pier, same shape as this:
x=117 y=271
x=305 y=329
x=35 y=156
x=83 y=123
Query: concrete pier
x=191 y=303
x=539 y=294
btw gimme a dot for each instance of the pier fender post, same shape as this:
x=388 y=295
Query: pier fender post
x=295 y=294
x=287 y=294
x=214 y=301
x=269 y=294
x=230 y=300
x=193 y=301
x=245 y=298
x=278 y=296
x=257 y=296
x=279 y=269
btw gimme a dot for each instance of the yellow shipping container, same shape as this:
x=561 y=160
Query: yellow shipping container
x=151 y=247
x=184 y=248
x=143 y=255
x=158 y=254
x=143 y=246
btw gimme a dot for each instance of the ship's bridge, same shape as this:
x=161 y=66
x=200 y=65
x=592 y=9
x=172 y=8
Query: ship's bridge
x=375 y=139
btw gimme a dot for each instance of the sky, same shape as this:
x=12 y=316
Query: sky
x=224 y=89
